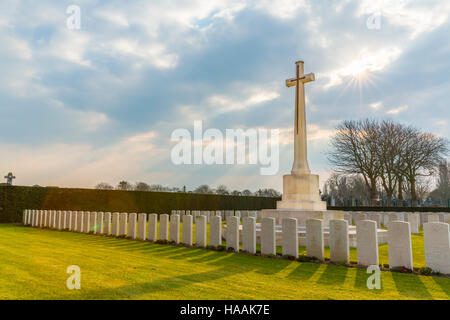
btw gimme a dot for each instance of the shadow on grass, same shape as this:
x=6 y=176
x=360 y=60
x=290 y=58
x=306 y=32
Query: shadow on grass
x=136 y=289
x=304 y=271
x=410 y=286
x=333 y=275
x=444 y=284
x=361 y=278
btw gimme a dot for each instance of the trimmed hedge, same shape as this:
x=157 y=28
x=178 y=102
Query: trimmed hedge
x=394 y=209
x=15 y=199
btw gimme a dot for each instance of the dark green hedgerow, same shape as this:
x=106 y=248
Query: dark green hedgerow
x=15 y=199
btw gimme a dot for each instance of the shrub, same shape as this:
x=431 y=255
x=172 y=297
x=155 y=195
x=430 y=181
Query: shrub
x=425 y=271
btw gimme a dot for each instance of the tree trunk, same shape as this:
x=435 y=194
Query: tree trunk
x=412 y=181
x=400 y=191
x=389 y=198
x=373 y=192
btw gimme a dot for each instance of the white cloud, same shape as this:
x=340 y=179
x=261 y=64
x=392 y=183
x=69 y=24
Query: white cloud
x=282 y=9
x=70 y=46
x=418 y=16
x=376 y=105
x=249 y=98
x=148 y=53
x=82 y=165
x=397 y=110
x=87 y=120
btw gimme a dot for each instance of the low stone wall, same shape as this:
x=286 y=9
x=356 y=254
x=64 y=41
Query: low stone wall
x=266 y=232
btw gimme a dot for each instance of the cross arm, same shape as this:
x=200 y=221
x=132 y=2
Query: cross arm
x=305 y=78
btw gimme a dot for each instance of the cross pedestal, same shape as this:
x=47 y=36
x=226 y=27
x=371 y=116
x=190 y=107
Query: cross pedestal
x=301 y=198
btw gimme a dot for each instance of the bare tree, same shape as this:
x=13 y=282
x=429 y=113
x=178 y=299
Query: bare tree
x=391 y=139
x=222 y=189
x=204 y=188
x=344 y=189
x=354 y=151
x=267 y=193
x=422 y=187
x=141 y=186
x=442 y=191
x=124 y=185
x=420 y=156
x=104 y=186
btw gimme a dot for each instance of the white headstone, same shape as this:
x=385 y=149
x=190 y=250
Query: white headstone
x=41 y=218
x=57 y=219
x=232 y=234
x=215 y=232
x=87 y=222
x=32 y=218
x=107 y=229
x=80 y=222
x=268 y=238
x=414 y=220
x=314 y=238
x=123 y=224
x=115 y=224
x=93 y=223
x=397 y=216
x=433 y=218
x=375 y=217
x=437 y=246
x=338 y=241
x=175 y=228
x=99 y=223
x=164 y=227
x=73 y=223
x=187 y=230
x=200 y=231
x=153 y=227
x=249 y=235
x=360 y=216
x=367 y=242
x=142 y=226
x=399 y=245
x=348 y=218
x=290 y=237
x=132 y=225
x=447 y=218
x=68 y=223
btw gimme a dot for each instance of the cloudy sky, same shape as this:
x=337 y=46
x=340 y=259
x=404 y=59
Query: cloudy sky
x=78 y=107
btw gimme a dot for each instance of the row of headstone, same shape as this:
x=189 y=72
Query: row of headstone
x=224 y=214
x=436 y=234
x=135 y=226
x=416 y=219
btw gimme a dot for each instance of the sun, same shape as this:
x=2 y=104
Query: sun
x=358 y=70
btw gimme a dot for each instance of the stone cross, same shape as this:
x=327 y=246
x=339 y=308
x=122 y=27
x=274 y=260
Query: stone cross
x=300 y=152
x=9 y=178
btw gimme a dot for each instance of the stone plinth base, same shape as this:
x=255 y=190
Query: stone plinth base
x=302 y=215
x=301 y=192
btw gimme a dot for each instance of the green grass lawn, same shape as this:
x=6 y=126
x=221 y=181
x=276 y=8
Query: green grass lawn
x=33 y=265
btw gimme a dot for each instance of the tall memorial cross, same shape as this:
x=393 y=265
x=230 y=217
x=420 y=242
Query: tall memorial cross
x=9 y=178
x=301 y=197
x=300 y=165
